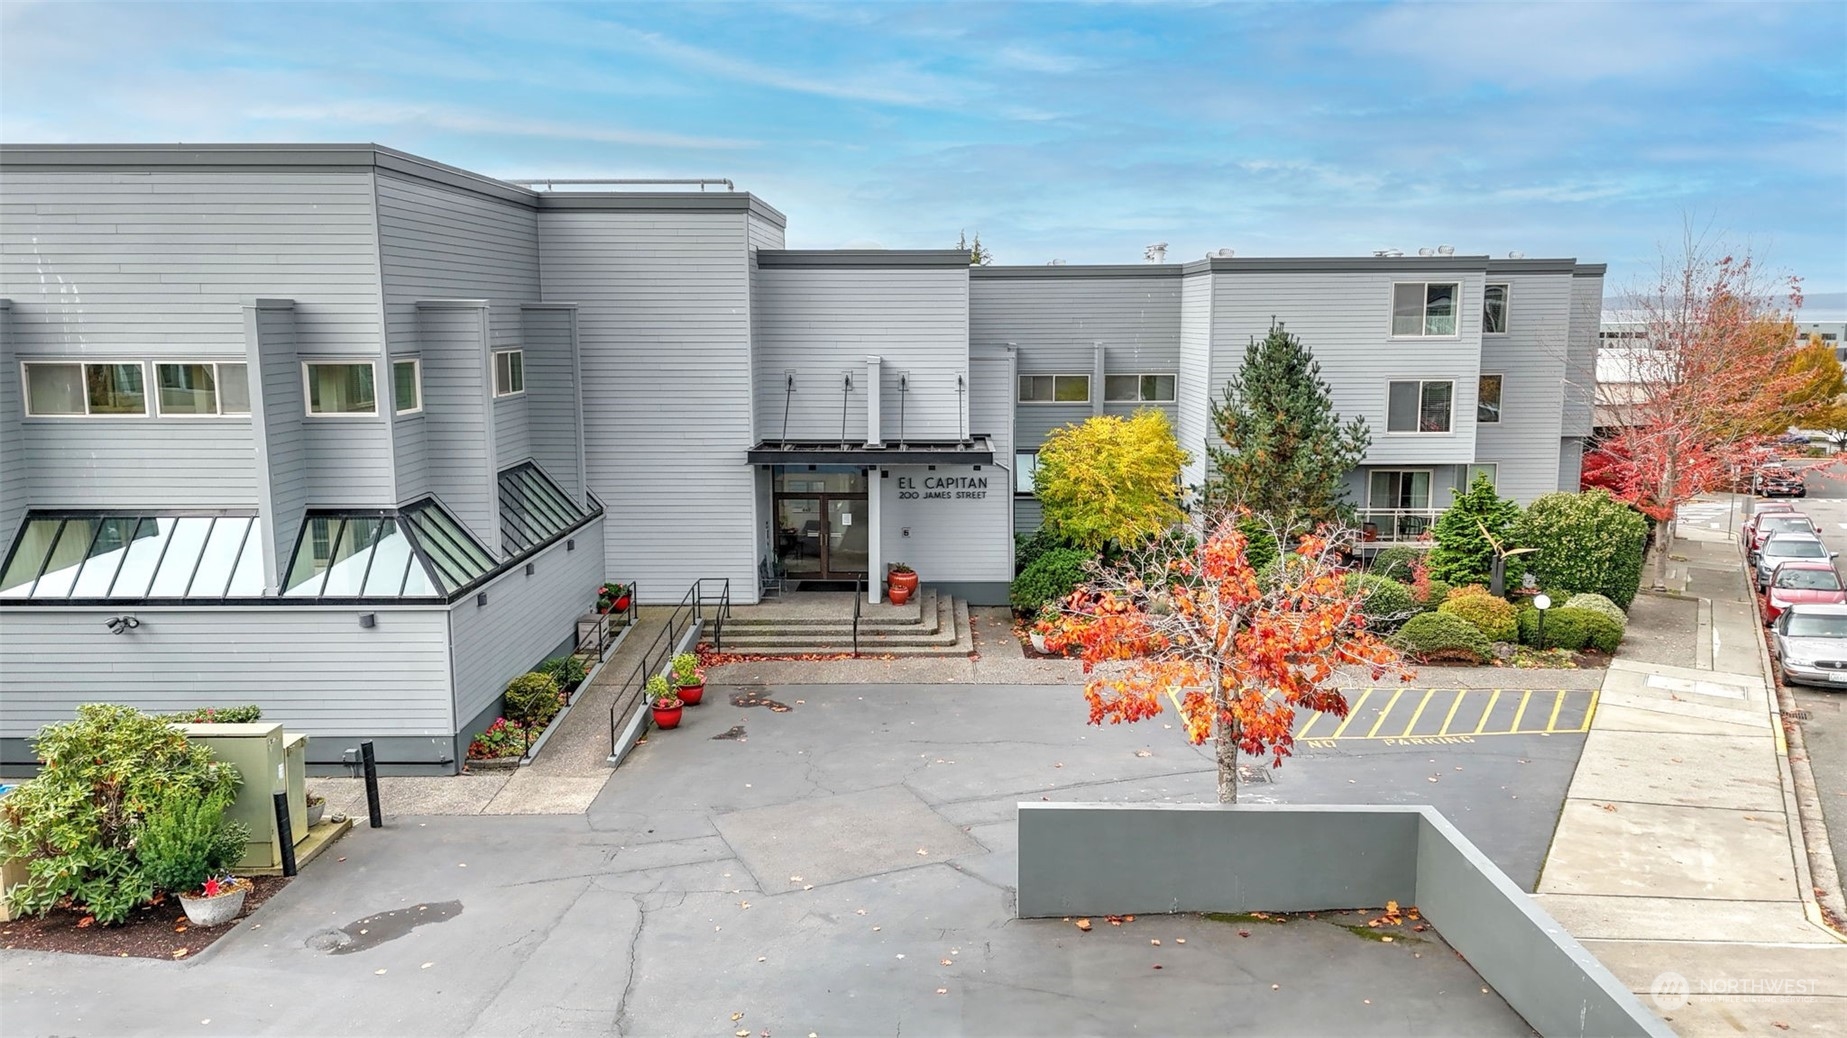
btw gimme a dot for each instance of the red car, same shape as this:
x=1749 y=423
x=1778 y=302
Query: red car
x=1764 y=508
x=1778 y=522
x=1802 y=583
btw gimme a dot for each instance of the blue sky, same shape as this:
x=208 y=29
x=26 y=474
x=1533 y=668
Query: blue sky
x=1073 y=131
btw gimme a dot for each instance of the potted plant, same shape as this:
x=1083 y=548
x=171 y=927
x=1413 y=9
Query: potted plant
x=218 y=900
x=617 y=595
x=1042 y=626
x=185 y=848
x=666 y=705
x=901 y=582
x=317 y=806
x=688 y=679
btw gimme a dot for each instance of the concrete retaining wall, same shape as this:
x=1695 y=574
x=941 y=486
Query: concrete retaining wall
x=1277 y=858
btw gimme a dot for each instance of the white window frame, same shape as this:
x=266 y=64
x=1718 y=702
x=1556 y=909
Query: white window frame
x=1089 y=390
x=1020 y=466
x=1138 y=376
x=1500 y=404
x=25 y=387
x=519 y=351
x=1507 y=307
x=416 y=364
x=1391 y=311
x=307 y=394
x=217 y=389
x=1420 y=383
x=1430 y=476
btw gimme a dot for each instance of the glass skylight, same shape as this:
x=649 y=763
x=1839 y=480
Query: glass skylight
x=533 y=509
x=93 y=556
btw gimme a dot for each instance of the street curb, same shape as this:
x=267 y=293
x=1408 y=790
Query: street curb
x=1820 y=880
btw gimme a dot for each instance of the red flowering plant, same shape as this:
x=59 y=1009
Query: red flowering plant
x=1233 y=651
x=503 y=738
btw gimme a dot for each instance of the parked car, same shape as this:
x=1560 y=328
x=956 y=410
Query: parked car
x=1748 y=528
x=1780 y=522
x=1802 y=583
x=1787 y=547
x=1810 y=643
x=1779 y=480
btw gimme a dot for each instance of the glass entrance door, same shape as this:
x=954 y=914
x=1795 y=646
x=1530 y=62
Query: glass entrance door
x=821 y=523
x=801 y=535
x=848 y=537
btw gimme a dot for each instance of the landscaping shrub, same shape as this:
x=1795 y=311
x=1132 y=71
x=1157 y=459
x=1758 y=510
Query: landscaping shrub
x=1600 y=632
x=1598 y=604
x=1396 y=562
x=1434 y=599
x=1463 y=553
x=1432 y=637
x=1261 y=546
x=533 y=699
x=1387 y=603
x=1027 y=547
x=75 y=824
x=503 y=738
x=1565 y=628
x=1494 y=617
x=1587 y=542
x=567 y=671
x=187 y=841
x=1051 y=577
x=217 y=715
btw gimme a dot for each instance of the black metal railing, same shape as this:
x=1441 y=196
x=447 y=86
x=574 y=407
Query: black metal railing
x=694 y=606
x=859 y=597
x=595 y=642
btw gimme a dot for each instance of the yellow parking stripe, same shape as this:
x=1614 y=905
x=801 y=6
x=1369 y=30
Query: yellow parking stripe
x=1520 y=712
x=1383 y=714
x=1418 y=713
x=1303 y=734
x=1558 y=700
x=1352 y=712
x=1493 y=699
x=1447 y=718
x=1590 y=711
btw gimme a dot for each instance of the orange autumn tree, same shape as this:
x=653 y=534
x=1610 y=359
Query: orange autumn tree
x=1189 y=625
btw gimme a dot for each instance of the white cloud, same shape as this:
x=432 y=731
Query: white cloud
x=391 y=113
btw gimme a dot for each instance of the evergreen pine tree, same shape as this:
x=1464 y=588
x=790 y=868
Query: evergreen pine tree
x=1285 y=453
x=1463 y=553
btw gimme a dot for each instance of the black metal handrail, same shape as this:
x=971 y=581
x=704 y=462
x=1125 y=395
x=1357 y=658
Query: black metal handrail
x=692 y=607
x=859 y=596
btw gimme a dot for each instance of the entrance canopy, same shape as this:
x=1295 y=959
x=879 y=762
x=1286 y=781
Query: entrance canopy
x=976 y=451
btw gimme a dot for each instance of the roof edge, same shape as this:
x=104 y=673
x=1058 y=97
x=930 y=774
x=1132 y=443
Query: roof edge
x=888 y=258
x=1099 y=270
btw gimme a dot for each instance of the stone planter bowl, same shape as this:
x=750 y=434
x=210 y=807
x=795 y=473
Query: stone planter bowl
x=216 y=911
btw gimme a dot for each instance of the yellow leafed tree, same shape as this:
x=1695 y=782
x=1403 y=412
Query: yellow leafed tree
x=1111 y=479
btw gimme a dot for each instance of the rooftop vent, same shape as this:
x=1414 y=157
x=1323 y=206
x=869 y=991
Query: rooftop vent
x=1221 y=254
x=1156 y=253
x=1516 y=255
x=1426 y=252
x=1446 y=250
x=1385 y=253
x=1055 y=263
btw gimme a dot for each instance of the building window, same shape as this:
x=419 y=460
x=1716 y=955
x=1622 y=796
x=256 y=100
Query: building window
x=203 y=389
x=1025 y=465
x=1419 y=407
x=70 y=389
x=1488 y=400
x=1146 y=389
x=1488 y=468
x=1387 y=488
x=509 y=372
x=1424 y=308
x=1494 y=310
x=340 y=389
x=406 y=386
x=1054 y=389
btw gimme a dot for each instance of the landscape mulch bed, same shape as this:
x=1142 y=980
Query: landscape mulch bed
x=154 y=931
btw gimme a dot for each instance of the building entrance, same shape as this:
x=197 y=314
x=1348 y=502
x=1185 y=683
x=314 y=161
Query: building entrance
x=822 y=527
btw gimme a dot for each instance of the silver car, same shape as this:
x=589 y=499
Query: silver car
x=1786 y=547
x=1810 y=642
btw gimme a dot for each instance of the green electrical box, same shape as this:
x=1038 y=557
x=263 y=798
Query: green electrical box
x=270 y=762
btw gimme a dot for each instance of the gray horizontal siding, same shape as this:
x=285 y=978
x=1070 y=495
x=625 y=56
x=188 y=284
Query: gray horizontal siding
x=457 y=430
x=1531 y=358
x=1195 y=392
x=664 y=352
x=949 y=539
x=277 y=413
x=440 y=243
x=512 y=438
x=764 y=233
x=161 y=263
x=15 y=482
x=1345 y=319
x=553 y=434
x=1581 y=354
x=821 y=322
x=524 y=620
x=314 y=670
x=138 y=463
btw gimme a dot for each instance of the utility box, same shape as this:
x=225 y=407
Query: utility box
x=259 y=753
x=295 y=770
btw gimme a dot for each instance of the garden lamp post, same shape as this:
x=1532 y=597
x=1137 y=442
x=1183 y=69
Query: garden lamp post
x=1542 y=603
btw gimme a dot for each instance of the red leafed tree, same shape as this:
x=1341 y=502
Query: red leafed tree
x=1711 y=384
x=1189 y=625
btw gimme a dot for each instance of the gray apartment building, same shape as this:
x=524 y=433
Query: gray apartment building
x=356 y=435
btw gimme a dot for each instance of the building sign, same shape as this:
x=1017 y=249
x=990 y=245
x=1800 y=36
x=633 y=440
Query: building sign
x=927 y=488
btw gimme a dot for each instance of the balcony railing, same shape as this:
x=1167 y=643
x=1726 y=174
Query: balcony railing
x=1396 y=525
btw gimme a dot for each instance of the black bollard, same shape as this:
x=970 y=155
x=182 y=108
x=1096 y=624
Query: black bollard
x=285 y=834
x=371 y=766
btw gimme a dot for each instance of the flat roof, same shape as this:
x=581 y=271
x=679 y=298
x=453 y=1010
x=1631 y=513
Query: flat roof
x=1295 y=265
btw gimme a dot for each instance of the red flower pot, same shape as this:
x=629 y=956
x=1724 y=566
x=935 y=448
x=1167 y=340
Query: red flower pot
x=899 y=594
x=621 y=605
x=907 y=581
x=667 y=717
x=690 y=694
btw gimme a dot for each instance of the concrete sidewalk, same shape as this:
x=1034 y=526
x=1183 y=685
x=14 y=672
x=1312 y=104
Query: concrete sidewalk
x=1679 y=858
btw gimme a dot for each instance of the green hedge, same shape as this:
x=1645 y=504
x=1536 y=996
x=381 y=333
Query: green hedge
x=1431 y=637
x=1598 y=604
x=1049 y=578
x=533 y=699
x=1494 y=617
x=1439 y=593
x=1587 y=542
x=565 y=670
x=248 y=714
x=1387 y=603
x=1566 y=628
x=1396 y=562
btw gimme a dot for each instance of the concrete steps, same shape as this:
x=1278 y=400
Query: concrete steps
x=930 y=625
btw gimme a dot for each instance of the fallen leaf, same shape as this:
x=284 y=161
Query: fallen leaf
x=744 y=1033
x=876 y=929
x=1276 y=987
x=1083 y=924
x=1143 y=753
x=859 y=911
x=760 y=958
x=180 y=928
x=1368 y=1001
x=1179 y=940
x=949 y=962
x=378 y=973
x=1058 y=765
x=1387 y=938
x=85 y=921
x=735 y=1017
x=1609 y=807
x=1779 y=1025
x=942 y=991
x=180 y=953
x=426 y=965
x=795 y=879
x=1156 y=942
x=339 y=859
x=1241 y=933
x=920 y=850
x=1157 y=965
x=743 y=904
x=808 y=886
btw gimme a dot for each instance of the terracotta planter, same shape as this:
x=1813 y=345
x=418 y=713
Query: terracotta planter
x=667 y=716
x=907 y=581
x=690 y=694
x=898 y=594
x=216 y=911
